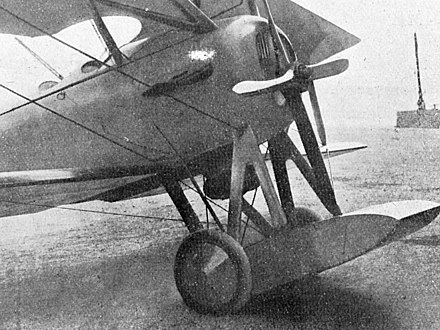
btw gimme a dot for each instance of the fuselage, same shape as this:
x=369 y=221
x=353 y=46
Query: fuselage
x=107 y=117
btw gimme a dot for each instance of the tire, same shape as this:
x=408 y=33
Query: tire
x=203 y=267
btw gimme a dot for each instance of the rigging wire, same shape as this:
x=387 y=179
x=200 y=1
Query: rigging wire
x=50 y=68
x=266 y=153
x=191 y=177
x=49 y=206
x=221 y=207
x=111 y=68
x=209 y=199
x=98 y=35
x=77 y=123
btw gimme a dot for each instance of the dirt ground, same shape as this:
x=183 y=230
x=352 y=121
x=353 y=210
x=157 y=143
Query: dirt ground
x=109 y=267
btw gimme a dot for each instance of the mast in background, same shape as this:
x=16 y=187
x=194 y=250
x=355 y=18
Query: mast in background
x=420 y=101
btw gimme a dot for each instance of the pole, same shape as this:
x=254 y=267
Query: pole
x=420 y=102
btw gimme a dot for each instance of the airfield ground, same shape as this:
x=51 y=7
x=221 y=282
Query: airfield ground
x=63 y=269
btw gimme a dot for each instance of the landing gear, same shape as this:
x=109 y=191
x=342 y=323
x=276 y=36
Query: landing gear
x=216 y=271
x=212 y=273
x=212 y=268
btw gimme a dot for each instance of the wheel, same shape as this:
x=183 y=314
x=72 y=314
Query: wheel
x=305 y=216
x=212 y=273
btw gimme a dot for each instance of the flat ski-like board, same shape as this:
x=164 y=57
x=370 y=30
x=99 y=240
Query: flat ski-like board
x=294 y=253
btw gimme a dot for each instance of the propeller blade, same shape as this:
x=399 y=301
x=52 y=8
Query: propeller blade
x=317 y=113
x=324 y=189
x=252 y=86
x=318 y=72
x=329 y=69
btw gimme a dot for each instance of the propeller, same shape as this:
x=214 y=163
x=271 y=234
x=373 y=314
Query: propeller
x=317 y=113
x=309 y=72
x=295 y=80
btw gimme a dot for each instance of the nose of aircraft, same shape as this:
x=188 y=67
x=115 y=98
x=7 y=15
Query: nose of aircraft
x=295 y=80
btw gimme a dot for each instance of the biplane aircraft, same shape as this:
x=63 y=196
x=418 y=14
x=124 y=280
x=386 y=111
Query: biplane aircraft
x=195 y=93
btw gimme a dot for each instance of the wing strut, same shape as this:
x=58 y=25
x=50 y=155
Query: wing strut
x=105 y=34
x=204 y=22
x=176 y=22
x=41 y=60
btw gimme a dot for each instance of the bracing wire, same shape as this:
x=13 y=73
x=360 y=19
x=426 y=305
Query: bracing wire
x=221 y=207
x=254 y=197
x=117 y=69
x=50 y=206
x=111 y=68
x=76 y=123
x=191 y=177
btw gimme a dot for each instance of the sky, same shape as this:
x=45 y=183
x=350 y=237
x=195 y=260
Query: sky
x=381 y=79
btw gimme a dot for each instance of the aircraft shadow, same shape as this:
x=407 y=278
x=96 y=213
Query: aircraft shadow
x=103 y=294
x=315 y=303
x=138 y=291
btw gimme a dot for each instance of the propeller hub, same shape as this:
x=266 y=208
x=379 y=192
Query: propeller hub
x=302 y=75
x=301 y=71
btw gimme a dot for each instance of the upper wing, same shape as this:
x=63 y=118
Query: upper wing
x=20 y=17
x=50 y=16
x=313 y=38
